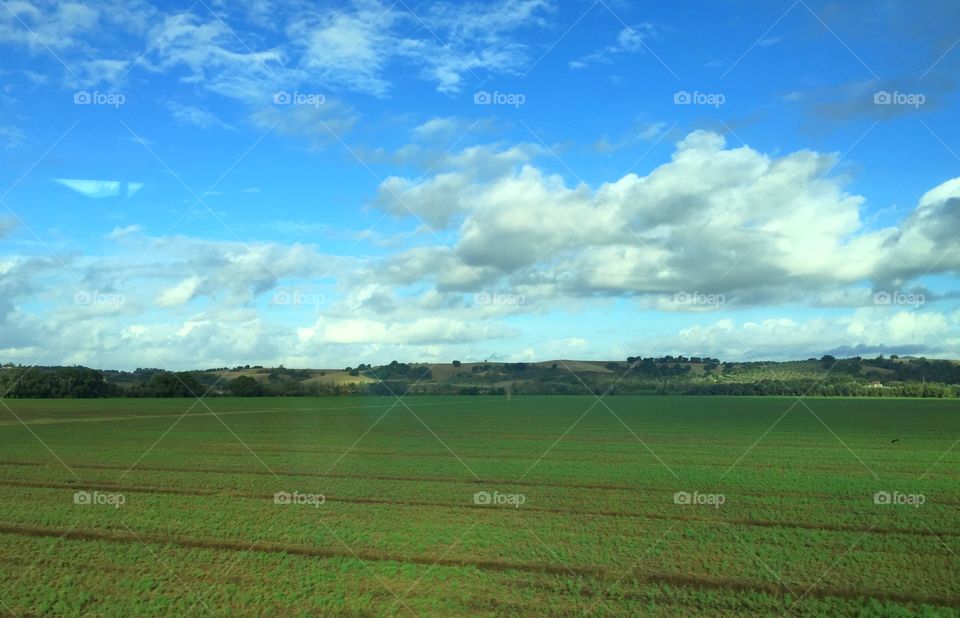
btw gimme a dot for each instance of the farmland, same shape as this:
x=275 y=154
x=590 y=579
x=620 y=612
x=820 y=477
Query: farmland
x=666 y=506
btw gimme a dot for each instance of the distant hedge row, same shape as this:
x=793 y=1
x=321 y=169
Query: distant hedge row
x=82 y=382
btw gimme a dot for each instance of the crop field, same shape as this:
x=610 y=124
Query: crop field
x=471 y=506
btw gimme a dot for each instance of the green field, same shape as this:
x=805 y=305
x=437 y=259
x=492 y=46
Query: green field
x=187 y=522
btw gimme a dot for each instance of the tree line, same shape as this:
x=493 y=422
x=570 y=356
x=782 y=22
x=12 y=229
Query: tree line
x=847 y=377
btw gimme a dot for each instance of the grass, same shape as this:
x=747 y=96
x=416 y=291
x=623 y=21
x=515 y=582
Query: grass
x=598 y=532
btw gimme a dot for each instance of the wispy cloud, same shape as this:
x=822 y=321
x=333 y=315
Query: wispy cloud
x=122 y=232
x=629 y=40
x=7 y=225
x=194 y=116
x=11 y=136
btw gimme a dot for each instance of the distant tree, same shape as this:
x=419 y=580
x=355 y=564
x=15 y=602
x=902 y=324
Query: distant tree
x=245 y=386
x=169 y=384
x=456 y=363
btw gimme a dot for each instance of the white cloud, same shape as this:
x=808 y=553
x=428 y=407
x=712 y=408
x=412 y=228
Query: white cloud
x=7 y=225
x=350 y=48
x=11 y=136
x=53 y=25
x=210 y=310
x=644 y=132
x=358 y=48
x=180 y=293
x=437 y=128
x=214 y=58
x=866 y=329
x=123 y=232
x=100 y=71
x=87 y=38
x=629 y=40
x=713 y=219
x=317 y=125
x=190 y=115
x=419 y=331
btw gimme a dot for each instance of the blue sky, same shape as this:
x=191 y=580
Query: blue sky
x=210 y=183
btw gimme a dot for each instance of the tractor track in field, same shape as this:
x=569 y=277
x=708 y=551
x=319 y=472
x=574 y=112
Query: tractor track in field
x=226 y=493
x=640 y=575
x=585 y=458
x=446 y=479
x=786 y=465
x=134 y=417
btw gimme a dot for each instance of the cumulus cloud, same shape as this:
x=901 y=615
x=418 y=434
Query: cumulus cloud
x=439 y=199
x=866 y=330
x=713 y=219
x=510 y=241
x=926 y=241
x=180 y=293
